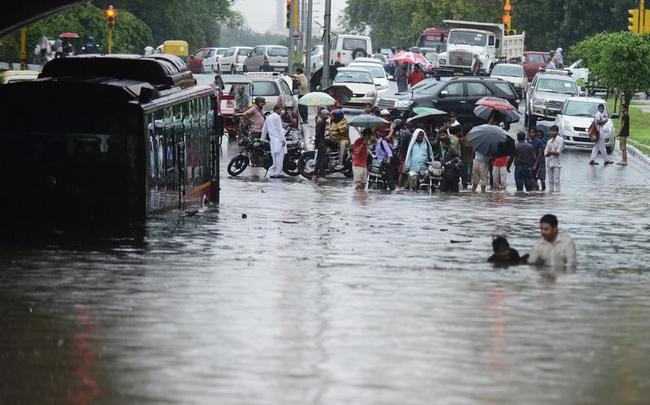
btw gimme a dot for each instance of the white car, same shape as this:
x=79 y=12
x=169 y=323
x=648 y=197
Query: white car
x=512 y=73
x=233 y=60
x=578 y=72
x=376 y=70
x=360 y=81
x=211 y=60
x=316 y=58
x=574 y=120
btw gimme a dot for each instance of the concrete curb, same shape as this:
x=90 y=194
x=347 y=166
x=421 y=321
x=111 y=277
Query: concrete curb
x=636 y=153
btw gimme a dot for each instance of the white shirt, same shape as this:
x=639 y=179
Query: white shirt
x=599 y=116
x=560 y=253
x=554 y=145
x=273 y=130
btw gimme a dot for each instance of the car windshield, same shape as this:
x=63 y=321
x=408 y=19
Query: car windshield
x=264 y=88
x=507 y=70
x=467 y=38
x=376 y=71
x=353 y=77
x=278 y=51
x=578 y=108
x=350 y=44
x=551 y=85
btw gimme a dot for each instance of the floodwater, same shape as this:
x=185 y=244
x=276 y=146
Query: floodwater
x=324 y=295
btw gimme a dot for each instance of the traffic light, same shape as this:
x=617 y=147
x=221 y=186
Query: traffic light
x=633 y=20
x=111 y=16
x=288 y=13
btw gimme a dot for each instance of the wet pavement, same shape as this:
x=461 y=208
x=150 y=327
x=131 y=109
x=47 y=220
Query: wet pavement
x=324 y=295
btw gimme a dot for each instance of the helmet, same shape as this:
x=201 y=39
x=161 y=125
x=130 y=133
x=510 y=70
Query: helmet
x=398 y=123
x=259 y=99
x=384 y=112
x=337 y=114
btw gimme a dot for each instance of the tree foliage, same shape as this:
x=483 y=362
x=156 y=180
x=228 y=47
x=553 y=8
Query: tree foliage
x=548 y=24
x=131 y=34
x=197 y=21
x=620 y=60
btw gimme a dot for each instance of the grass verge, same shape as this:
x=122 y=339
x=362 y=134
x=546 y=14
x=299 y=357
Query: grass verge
x=639 y=124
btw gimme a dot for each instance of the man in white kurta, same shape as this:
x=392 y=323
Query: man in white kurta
x=553 y=150
x=600 y=118
x=273 y=131
x=555 y=249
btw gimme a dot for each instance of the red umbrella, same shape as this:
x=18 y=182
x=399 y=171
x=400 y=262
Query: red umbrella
x=411 y=57
x=495 y=103
x=68 y=35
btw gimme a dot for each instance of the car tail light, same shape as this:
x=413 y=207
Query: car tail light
x=338 y=56
x=266 y=60
x=237 y=58
x=279 y=100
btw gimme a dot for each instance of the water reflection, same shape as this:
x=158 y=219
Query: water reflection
x=325 y=295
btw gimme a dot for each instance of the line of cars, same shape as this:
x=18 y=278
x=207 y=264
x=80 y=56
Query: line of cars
x=236 y=59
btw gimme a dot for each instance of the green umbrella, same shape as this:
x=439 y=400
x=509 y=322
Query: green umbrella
x=317 y=99
x=429 y=110
x=367 y=121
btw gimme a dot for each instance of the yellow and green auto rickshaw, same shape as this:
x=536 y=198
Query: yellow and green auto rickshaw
x=175 y=47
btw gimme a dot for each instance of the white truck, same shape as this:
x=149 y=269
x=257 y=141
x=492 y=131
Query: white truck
x=487 y=40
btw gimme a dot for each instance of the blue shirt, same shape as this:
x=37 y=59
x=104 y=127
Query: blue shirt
x=418 y=157
x=383 y=150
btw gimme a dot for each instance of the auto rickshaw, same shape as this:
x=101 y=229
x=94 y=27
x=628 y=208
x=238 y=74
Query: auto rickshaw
x=227 y=101
x=175 y=47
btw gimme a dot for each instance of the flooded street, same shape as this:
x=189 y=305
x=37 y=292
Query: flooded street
x=323 y=295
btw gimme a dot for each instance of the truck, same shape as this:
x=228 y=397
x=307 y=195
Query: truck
x=487 y=40
x=434 y=37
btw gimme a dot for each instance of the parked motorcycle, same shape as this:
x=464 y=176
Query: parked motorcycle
x=307 y=162
x=257 y=153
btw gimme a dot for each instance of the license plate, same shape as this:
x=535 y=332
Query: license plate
x=279 y=69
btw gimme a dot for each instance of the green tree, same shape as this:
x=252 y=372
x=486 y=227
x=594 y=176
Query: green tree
x=620 y=60
x=198 y=21
x=131 y=34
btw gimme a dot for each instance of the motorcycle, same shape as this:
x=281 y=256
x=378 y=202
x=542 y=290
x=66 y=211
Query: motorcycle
x=307 y=162
x=257 y=153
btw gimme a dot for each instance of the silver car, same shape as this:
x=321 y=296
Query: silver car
x=267 y=58
x=274 y=88
x=547 y=93
x=360 y=81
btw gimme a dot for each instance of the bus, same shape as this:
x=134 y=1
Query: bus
x=434 y=38
x=112 y=137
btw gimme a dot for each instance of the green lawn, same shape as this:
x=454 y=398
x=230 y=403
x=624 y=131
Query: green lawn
x=639 y=125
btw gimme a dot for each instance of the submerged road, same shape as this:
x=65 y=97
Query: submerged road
x=323 y=295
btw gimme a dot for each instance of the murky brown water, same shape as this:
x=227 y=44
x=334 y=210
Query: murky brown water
x=323 y=295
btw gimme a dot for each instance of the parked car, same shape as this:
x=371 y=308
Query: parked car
x=197 y=60
x=512 y=73
x=274 y=87
x=458 y=95
x=547 y=93
x=211 y=60
x=533 y=61
x=360 y=81
x=574 y=120
x=267 y=58
x=233 y=60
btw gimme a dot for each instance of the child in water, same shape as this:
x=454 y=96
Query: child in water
x=503 y=253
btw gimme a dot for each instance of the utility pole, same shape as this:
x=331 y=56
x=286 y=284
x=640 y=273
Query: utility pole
x=325 y=80
x=308 y=22
x=292 y=28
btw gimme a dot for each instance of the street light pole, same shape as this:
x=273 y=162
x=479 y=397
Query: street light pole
x=325 y=80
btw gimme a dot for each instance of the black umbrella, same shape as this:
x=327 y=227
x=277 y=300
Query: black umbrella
x=491 y=140
x=340 y=92
x=485 y=112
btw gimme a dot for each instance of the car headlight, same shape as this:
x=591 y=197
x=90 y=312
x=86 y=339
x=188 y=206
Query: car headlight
x=539 y=102
x=403 y=103
x=442 y=61
x=371 y=94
